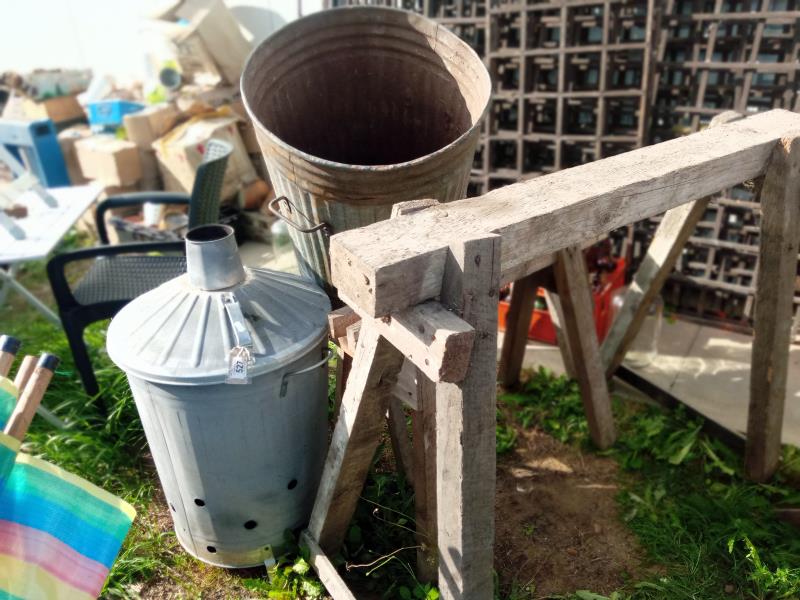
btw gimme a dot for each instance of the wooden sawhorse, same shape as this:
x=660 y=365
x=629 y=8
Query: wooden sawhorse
x=422 y=280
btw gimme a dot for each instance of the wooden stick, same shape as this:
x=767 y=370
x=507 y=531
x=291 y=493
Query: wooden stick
x=327 y=573
x=424 y=448
x=430 y=336
x=789 y=515
x=557 y=317
x=24 y=372
x=8 y=351
x=406 y=387
x=675 y=228
x=572 y=284
x=401 y=443
x=355 y=437
x=465 y=428
x=344 y=363
x=775 y=284
x=518 y=321
x=339 y=320
x=21 y=418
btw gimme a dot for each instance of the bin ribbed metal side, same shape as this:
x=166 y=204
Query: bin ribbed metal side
x=239 y=464
x=359 y=108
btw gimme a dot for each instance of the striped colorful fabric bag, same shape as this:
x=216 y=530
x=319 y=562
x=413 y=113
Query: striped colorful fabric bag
x=8 y=399
x=59 y=534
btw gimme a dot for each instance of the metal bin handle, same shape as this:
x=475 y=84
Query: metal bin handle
x=237 y=321
x=324 y=227
x=285 y=379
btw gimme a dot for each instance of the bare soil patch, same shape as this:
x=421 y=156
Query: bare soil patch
x=558 y=527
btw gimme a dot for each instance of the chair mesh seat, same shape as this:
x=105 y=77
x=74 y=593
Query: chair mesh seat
x=125 y=277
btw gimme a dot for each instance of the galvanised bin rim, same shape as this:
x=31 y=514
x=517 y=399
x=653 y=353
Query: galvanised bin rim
x=331 y=164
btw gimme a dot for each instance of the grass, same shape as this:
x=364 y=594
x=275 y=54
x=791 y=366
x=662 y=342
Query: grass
x=683 y=494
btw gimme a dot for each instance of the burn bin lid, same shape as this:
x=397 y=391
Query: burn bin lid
x=184 y=331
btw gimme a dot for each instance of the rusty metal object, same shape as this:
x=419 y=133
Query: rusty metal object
x=358 y=108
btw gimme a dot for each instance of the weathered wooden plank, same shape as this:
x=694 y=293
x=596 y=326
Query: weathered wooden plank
x=411 y=206
x=424 y=448
x=326 y=572
x=572 y=285
x=518 y=322
x=401 y=442
x=383 y=269
x=556 y=311
x=430 y=336
x=353 y=332
x=675 y=228
x=355 y=437
x=465 y=428
x=339 y=320
x=780 y=228
x=344 y=362
x=406 y=387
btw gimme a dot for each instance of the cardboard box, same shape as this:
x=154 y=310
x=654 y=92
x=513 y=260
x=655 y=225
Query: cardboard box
x=214 y=27
x=67 y=140
x=59 y=110
x=195 y=60
x=180 y=152
x=146 y=126
x=195 y=100
x=151 y=177
x=112 y=161
x=246 y=128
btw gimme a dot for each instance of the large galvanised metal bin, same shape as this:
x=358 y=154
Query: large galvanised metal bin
x=239 y=464
x=356 y=109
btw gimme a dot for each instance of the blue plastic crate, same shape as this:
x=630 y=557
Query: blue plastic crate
x=109 y=113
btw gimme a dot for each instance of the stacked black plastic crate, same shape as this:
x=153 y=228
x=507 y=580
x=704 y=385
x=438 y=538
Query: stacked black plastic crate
x=713 y=56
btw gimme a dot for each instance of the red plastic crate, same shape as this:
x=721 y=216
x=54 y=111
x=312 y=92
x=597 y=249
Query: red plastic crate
x=541 y=328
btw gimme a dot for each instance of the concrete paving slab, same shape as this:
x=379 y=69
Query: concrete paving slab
x=674 y=345
x=705 y=367
x=715 y=380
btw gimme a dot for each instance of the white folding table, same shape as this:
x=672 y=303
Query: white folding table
x=34 y=236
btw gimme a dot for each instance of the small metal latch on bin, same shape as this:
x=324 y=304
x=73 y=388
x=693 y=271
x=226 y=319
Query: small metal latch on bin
x=240 y=355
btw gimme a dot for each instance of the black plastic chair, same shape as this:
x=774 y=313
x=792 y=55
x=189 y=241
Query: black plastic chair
x=122 y=272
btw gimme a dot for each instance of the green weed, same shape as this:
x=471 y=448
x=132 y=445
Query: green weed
x=380 y=549
x=506 y=435
x=684 y=495
x=290 y=578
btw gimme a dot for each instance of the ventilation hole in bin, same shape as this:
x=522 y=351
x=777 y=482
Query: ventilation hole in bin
x=292 y=484
x=250 y=525
x=199 y=502
x=211 y=549
x=172 y=506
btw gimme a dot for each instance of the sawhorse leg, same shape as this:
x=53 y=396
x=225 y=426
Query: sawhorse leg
x=775 y=283
x=572 y=285
x=355 y=437
x=465 y=429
